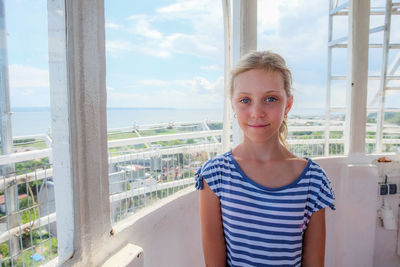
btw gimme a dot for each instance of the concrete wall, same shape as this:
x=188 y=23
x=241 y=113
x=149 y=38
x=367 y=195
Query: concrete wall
x=169 y=231
x=386 y=241
x=333 y=168
x=351 y=228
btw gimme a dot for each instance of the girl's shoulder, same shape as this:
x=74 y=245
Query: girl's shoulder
x=220 y=161
x=212 y=170
x=311 y=172
x=314 y=169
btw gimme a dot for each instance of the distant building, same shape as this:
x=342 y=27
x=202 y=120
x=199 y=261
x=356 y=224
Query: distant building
x=3 y=202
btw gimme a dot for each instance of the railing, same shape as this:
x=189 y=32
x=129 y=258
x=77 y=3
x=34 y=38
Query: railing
x=27 y=215
x=309 y=141
x=31 y=238
x=146 y=164
x=142 y=176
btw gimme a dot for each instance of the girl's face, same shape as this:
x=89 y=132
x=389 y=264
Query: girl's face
x=260 y=103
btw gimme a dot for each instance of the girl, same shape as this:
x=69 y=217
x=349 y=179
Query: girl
x=261 y=205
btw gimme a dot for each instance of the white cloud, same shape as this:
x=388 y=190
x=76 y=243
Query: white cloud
x=22 y=76
x=181 y=7
x=308 y=96
x=141 y=25
x=197 y=92
x=117 y=46
x=210 y=67
x=267 y=15
x=113 y=26
x=152 y=50
x=201 y=84
x=206 y=39
x=300 y=31
x=159 y=83
x=187 y=44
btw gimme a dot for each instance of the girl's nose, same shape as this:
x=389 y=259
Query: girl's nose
x=258 y=111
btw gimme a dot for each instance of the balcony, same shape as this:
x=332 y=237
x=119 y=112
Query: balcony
x=153 y=203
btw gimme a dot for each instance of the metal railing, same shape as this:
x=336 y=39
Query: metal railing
x=27 y=224
x=140 y=176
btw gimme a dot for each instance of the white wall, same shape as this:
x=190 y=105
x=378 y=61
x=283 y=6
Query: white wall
x=351 y=228
x=385 y=252
x=333 y=168
x=169 y=231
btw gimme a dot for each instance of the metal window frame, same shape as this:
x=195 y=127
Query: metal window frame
x=390 y=10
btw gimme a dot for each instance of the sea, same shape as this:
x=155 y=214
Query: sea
x=37 y=120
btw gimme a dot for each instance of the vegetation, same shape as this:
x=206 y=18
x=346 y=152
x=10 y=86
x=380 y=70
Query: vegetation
x=4 y=250
x=390 y=117
x=38 y=241
x=30 y=212
x=215 y=125
x=26 y=166
x=28 y=144
x=336 y=135
x=121 y=135
x=308 y=134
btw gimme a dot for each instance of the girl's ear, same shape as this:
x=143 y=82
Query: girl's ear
x=289 y=104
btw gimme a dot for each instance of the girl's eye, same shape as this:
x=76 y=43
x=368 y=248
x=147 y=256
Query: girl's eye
x=244 y=100
x=271 y=99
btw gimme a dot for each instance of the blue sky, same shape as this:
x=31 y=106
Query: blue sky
x=169 y=53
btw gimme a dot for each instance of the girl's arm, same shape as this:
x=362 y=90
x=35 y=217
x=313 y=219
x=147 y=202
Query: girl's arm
x=314 y=240
x=211 y=228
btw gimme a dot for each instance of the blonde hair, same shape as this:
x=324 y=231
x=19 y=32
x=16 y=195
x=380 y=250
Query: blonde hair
x=268 y=61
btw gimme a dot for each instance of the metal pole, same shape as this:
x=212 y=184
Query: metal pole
x=244 y=40
x=11 y=193
x=227 y=123
x=382 y=86
x=328 y=85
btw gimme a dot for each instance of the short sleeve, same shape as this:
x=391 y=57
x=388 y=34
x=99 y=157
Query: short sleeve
x=322 y=194
x=199 y=180
x=326 y=196
x=211 y=174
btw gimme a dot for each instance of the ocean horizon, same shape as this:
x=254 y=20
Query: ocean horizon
x=37 y=120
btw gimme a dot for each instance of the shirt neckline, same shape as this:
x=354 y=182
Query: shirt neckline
x=248 y=179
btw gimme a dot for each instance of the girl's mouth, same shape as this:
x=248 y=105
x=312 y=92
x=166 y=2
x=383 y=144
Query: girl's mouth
x=258 y=125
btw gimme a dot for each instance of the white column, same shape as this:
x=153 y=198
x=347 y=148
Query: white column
x=244 y=40
x=11 y=193
x=328 y=84
x=60 y=118
x=382 y=86
x=227 y=121
x=357 y=77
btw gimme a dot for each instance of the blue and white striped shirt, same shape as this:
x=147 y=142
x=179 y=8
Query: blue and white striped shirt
x=264 y=226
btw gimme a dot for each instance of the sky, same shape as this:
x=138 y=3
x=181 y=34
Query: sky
x=169 y=53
